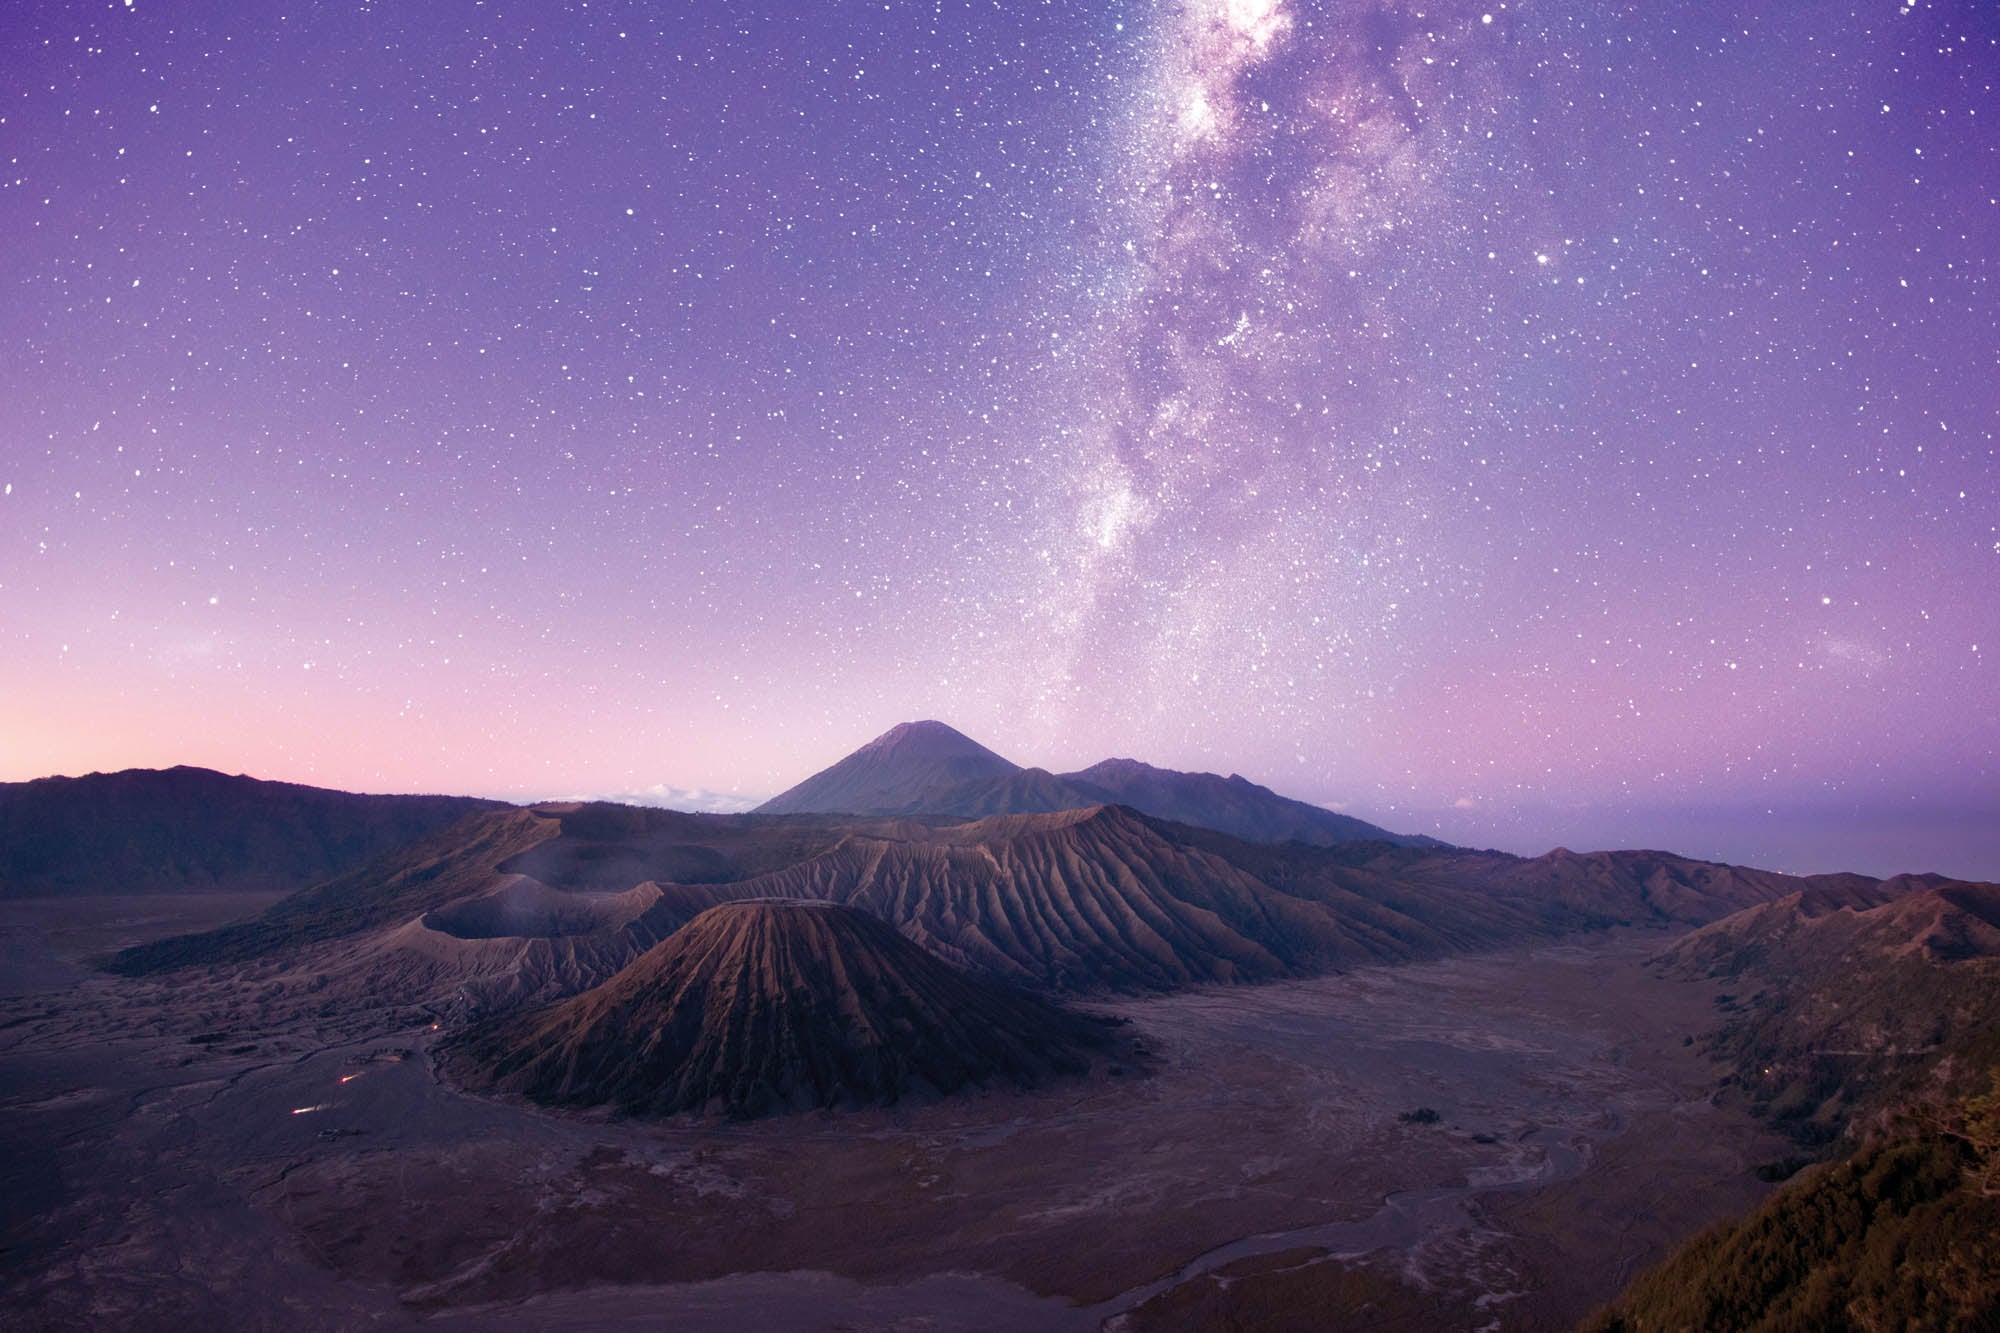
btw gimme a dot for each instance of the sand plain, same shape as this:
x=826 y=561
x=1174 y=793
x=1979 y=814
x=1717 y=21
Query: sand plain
x=219 y=1149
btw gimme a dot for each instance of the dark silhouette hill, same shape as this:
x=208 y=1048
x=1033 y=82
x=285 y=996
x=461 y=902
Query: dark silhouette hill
x=187 y=829
x=759 y=1007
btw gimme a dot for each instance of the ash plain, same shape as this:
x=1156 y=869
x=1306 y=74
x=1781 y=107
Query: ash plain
x=217 y=1147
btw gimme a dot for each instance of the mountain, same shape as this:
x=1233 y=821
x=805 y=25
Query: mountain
x=1109 y=899
x=477 y=879
x=515 y=944
x=927 y=768
x=1092 y=899
x=456 y=862
x=758 y=1007
x=1469 y=892
x=184 y=829
x=608 y=848
x=1025 y=791
x=1925 y=918
x=1233 y=805
x=895 y=773
x=514 y=906
x=1854 y=993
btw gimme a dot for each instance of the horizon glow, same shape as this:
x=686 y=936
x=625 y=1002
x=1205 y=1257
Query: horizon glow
x=1526 y=424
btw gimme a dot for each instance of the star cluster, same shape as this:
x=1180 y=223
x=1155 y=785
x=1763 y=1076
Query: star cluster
x=1523 y=422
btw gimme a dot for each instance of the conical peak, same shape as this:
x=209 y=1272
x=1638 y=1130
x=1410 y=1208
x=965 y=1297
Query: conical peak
x=900 y=771
x=927 y=735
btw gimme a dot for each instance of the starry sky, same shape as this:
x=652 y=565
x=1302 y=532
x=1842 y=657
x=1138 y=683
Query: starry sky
x=1529 y=423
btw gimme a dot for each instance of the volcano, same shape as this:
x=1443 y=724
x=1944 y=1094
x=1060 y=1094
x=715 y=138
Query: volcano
x=898 y=772
x=928 y=768
x=754 y=1008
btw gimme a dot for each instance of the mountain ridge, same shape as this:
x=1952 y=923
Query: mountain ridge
x=929 y=768
x=1102 y=898
x=1860 y=991
x=186 y=829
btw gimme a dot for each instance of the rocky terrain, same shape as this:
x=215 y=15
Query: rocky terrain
x=1847 y=999
x=194 y=1147
x=513 y=905
x=763 y=1006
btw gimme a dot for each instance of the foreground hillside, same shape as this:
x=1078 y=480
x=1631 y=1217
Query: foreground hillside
x=1864 y=1022
x=1904 y=1234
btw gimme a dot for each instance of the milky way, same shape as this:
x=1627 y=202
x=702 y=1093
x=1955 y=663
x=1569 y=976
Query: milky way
x=1528 y=423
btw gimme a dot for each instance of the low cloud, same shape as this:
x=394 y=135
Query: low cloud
x=666 y=797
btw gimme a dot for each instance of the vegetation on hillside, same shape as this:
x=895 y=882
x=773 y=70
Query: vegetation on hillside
x=1904 y=1234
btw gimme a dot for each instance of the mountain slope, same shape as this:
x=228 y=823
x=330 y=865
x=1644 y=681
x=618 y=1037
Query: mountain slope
x=1107 y=898
x=511 y=879
x=155 y=831
x=534 y=903
x=893 y=774
x=1472 y=896
x=1905 y=1234
x=518 y=943
x=1232 y=805
x=1857 y=991
x=759 y=1007
x=1025 y=791
x=610 y=848
x=1077 y=900
x=455 y=863
x=927 y=768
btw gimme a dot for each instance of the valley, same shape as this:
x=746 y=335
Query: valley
x=317 y=1172
x=888 y=1062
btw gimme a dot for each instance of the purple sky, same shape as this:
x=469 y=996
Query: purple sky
x=1526 y=423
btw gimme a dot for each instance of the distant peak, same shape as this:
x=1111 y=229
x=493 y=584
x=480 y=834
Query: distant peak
x=925 y=731
x=1107 y=766
x=897 y=772
x=1111 y=814
x=931 y=740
